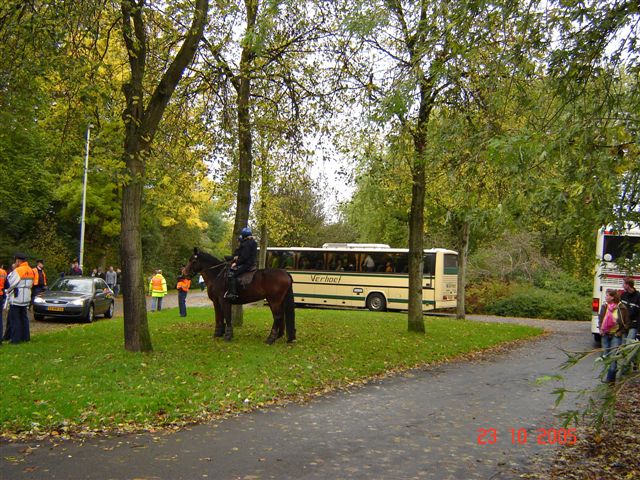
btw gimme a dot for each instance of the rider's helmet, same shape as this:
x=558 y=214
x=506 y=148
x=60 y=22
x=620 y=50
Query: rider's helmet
x=245 y=232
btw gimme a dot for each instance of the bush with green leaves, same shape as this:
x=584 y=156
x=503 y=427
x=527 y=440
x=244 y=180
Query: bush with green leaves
x=538 y=303
x=563 y=282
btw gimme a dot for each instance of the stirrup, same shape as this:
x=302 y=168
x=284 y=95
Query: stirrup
x=231 y=297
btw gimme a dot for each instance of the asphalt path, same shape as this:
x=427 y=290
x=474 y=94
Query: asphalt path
x=424 y=423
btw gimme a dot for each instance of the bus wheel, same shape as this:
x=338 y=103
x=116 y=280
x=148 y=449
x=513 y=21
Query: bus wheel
x=376 y=302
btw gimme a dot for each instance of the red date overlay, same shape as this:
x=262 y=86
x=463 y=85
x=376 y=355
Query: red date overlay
x=520 y=436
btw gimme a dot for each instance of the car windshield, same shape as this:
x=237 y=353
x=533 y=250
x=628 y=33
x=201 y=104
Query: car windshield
x=78 y=285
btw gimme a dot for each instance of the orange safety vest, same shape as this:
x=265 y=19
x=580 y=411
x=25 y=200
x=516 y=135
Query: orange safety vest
x=156 y=281
x=184 y=285
x=24 y=270
x=36 y=278
x=3 y=279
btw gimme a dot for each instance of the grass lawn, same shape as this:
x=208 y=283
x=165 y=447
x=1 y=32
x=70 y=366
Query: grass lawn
x=81 y=378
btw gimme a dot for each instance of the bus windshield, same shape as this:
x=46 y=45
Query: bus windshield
x=619 y=246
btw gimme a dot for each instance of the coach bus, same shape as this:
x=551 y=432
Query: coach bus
x=366 y=275
x=614 y=248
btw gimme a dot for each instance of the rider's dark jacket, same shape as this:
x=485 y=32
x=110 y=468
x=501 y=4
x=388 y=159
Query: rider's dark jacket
x=247 y=253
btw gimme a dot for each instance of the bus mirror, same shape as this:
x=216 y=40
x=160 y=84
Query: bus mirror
x=607 y=257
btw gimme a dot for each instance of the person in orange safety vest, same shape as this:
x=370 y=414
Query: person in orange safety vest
x=157 y=289
x=39 y=279
x=183 y=286
x=19 y=297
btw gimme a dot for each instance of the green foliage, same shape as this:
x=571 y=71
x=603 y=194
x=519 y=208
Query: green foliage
x=600 y=410
x=79 y=379
x=45 y=243
x=537 y=303
x=563 y=282
x=480 y=294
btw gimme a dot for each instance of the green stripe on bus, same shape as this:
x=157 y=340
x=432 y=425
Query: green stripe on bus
x=355 y=274
x=358 y=285
x=341 y=297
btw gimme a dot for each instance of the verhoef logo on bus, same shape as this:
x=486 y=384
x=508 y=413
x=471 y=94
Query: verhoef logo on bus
x=326 y=278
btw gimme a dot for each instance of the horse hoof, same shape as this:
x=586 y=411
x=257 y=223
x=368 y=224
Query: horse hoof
x=227 y=338
x=292 y=340
x=218 y=334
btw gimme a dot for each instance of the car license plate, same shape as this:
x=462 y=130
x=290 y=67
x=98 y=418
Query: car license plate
x=55 y=309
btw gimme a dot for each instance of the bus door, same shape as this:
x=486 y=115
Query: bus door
x=429 y=280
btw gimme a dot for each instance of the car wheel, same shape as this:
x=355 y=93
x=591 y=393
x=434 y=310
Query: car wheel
x=109 y=312
x=376 y=302
x=91 y=314
x=37 y=316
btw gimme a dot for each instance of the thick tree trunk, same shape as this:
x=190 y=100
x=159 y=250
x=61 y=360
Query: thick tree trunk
x=463 y=252
x=136 y=328
x=140 y=128
x=245 y=141
x=416 y=244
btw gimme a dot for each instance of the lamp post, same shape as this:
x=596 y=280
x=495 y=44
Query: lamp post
x=84 y=198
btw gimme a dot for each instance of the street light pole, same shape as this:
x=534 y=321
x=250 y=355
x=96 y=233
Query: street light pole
x=84 y=198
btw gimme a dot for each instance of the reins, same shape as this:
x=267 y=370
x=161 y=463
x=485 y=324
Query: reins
x=220 y=274
x=215 y=266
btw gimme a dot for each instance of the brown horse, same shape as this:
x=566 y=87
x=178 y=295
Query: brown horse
x=274 y=285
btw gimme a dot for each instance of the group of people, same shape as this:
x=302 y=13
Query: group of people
x=112 y=277
x=158 y=290
x=18 y=286
x=619 y=320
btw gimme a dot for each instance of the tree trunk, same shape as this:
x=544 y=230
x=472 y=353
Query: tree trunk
x=245 y=160
x=463 y=250
x=140 y=128
x=136 y=329
x=416 y=247
x=264 y=243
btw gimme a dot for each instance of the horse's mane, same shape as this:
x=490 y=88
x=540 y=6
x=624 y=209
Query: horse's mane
x=208 y=258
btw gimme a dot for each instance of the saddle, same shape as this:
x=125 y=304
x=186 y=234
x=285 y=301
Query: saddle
x=245 y=278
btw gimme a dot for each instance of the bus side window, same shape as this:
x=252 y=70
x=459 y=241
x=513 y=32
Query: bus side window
x=429 y=268
x=450 y=264
x=288 y=260
x=273 y=260
x=402 y=262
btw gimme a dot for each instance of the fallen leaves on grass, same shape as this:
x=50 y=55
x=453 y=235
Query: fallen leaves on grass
x=612 y=453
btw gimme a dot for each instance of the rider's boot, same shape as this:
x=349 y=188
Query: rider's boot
x=232 y=294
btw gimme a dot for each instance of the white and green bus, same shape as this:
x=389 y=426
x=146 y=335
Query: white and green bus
x=366 y=275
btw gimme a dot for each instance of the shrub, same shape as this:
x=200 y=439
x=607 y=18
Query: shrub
x=538 y=303
x=563 y=282
x=480 y=295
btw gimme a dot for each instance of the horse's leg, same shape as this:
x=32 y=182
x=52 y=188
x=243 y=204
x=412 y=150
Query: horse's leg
x=277 y=330
x=289 y=308
x=219 y=331
x=228 y=332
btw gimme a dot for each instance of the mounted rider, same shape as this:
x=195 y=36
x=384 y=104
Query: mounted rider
x=244 y=259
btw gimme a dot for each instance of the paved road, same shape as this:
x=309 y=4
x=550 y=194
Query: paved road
x=422 y=424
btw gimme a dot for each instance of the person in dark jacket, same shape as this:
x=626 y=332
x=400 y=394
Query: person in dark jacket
x=631 y=298
x=244 y=259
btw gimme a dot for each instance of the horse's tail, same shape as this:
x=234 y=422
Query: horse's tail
x=290 y=314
